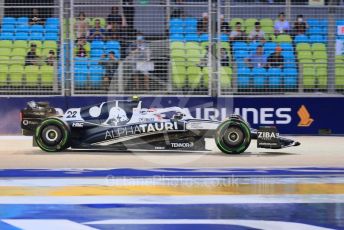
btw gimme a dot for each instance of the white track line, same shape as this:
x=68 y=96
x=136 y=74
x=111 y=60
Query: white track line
x=161 y=200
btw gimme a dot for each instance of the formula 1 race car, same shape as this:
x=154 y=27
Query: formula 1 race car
x=123 y=125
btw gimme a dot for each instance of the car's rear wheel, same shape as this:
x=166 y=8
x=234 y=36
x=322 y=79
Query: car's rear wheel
x=233 y=136
x=52 y=135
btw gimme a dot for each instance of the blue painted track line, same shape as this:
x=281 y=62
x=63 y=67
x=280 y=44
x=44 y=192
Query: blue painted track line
x=172 y=172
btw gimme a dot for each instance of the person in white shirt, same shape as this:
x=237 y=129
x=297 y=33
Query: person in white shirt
x=281 y=25
x=257 y=34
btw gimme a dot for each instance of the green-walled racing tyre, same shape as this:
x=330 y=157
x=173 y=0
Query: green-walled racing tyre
x=233 y=136
x=52 y=135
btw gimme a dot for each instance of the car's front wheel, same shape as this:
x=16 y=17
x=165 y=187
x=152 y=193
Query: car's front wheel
x=233 y=136
x=52 y=135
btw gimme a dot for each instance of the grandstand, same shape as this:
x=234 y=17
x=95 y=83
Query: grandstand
x=184 y=45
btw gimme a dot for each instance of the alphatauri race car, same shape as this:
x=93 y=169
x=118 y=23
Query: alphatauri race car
x=124 y=125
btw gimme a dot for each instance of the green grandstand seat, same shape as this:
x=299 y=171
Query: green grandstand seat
x=303 y=47
x=321 y=74
x=179 y=61
x=319 y=55
x=177 y=45
x=47 y=75
x=226 y=77
x=16 y=75
x=339 y=60
x=309 y=77
x=178 y=76
x=266 y=22
x=205 y=44
x=5 y=44
x=284 y=38
x=192 y=45
x=320 y=63
x=45 y=52
x=339 y=73
x=235 y=20
x=5 y=51
x=194 y=76
x=206 y=73
x=17 y=60
x=32 y=75
x=318 y=47
x=50 y=45
x=305 y=55
x=226 y=46
x=20 y=44
x=193 y=56
x=4 y=60
x=177 y=53
x=18 y=52
x=249 y=22
x=3 y=75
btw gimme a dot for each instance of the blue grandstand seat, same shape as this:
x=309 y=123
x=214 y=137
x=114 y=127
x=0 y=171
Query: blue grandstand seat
x=270 y=46
x=176 y=37
x=224 y=38
x=176 y=22
x=290 y=77
x=8 y=20
x=52 y=21
x=286 y=46
x=289 y=64
x=190 y=22
x=204 y=37
x=340 y=22
x=6 y=36
x=94 y=61
x=175 y=30
x=96 y=75
x=80 y=76
x=191 y=37
x=22 y=21
x=259 y=77
x=240 y=46
x=315 y=30
x=253 y=46
x=190 y=29
x=240 y=54
x=36 y=28
x=8 y=28
x=22 y=28
x=51 y=36
x=301 y=39
x=313 y=22
x=244 y=77
x=112 y=45
x=51 y=28
x=97 y=44
x=288 y=55
x=36 y=36
x=274 y=77
x=96 y=53
x=317 y=39
x=80 y=62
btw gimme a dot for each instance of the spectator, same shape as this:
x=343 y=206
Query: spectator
x=31 y=57
x=300 y=26
x=51 y=59
x=141 y=56
x=202 y=24
x=97 y=33
x=81 y=26
x=257 y=59
x=257 y=34
x=178 y=12
x=81 y=52
x=35 y=18
x=224 y=25
x=115 y=17
x=129 y=12
x=281 y=25
x=224 y=57
x=238 y=34
x=276 y=60
x=204 y=60
x=110 y=65
x=114 y=31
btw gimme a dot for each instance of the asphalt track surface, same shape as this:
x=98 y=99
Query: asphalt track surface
x=315 y=151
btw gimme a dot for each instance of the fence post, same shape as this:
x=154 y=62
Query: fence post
x=213 y=49
x=331 y=47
